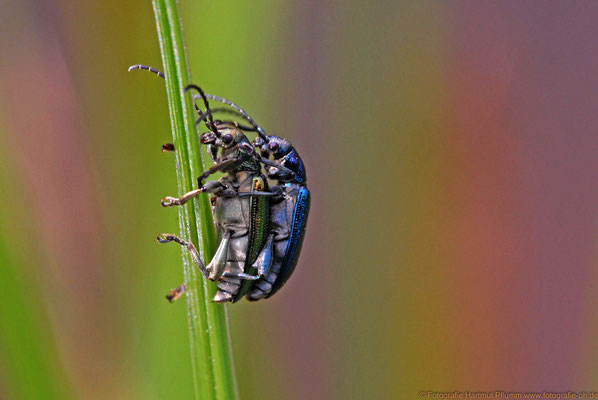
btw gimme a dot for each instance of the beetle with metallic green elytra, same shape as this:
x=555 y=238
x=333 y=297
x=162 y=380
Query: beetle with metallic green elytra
x=241 y=213
x=288 y=211
x=261 y=229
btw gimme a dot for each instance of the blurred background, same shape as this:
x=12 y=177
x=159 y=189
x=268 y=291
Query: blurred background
x=452 y=159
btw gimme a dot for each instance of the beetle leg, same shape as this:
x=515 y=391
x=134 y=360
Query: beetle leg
x=276 y=173
x=264 y=259
x=275 y=191
x=175 y=293
x=218 y=263
x=210 y=187
x=283 y=171
x=218 y=167
x=213 y=187
x=165 y=238
x=265 y=194
x=241 y=275
x=174 y=201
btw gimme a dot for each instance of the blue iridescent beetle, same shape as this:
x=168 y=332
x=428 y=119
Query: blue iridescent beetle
x=289 y=206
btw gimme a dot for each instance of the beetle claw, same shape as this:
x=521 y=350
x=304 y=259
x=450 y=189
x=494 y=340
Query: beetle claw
x=168 y=147
x=169 y=201
x=175 y=293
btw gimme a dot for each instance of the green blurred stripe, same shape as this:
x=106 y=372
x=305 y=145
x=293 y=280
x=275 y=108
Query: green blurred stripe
x=29 y=360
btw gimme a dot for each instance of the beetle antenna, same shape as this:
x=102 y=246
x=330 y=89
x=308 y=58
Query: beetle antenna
x=212 y=111
x=160 y=74
x=203 y=115
x=237 y=111
x=258 y=128
x=147 y=68
x=202 y=95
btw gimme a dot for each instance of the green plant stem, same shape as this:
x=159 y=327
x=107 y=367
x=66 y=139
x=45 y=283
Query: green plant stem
x=211 y=355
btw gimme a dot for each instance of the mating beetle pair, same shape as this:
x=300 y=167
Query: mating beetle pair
x=260 y=227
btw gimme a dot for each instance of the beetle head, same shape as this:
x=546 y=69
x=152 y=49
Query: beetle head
x=276 y=146
x=228 y=140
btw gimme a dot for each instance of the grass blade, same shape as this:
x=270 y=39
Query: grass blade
x=213 y=370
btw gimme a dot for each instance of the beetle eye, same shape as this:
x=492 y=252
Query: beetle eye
x=227 y=138
x=273 y=146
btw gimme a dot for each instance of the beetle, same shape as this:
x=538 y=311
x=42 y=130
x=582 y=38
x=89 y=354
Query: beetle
x=289 y=204
x=289 y=211
x=241 y=212
x=241 y=209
